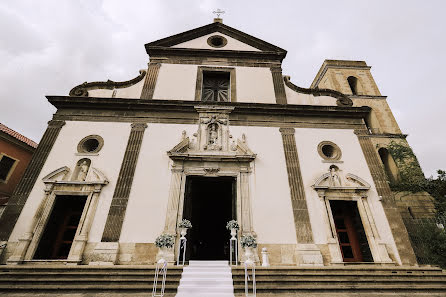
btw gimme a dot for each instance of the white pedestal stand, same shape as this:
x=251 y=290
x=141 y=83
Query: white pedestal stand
x=161 y=269
x=182 y=246
x=233 y=246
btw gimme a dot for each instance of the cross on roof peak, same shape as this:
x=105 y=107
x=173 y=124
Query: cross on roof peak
x=218 y=12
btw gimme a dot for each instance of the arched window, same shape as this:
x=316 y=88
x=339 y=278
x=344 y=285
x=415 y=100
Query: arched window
x=389 y=165
x=353 y=82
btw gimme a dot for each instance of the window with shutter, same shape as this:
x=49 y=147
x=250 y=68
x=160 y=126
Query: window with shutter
x=6 y=164
x=216 y=87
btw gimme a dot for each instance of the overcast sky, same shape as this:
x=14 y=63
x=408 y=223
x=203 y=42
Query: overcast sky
x=48 y=47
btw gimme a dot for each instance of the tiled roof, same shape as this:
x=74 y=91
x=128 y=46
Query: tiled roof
x=17 y=135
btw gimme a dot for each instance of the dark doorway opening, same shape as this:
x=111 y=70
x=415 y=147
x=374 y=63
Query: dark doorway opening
x=209 y=203
x=61 y=228
x=351 y=235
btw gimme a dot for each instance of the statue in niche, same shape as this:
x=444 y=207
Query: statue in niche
x=81 y=170
x=213 y=134
x=335 y=180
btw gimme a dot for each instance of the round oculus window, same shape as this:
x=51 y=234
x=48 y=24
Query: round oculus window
x=329 y=150
x=90 y=144
x=217 y=41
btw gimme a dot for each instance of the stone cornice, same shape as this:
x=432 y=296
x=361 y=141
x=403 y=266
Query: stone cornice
x=118 y=104
x=342 y=99
x=82 y=89
x=159 y=51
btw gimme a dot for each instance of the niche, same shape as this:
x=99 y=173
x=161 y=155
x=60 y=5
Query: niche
x=389 y=165
x=353 y=82
x=81 y=170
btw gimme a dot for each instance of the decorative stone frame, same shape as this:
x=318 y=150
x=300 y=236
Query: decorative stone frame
x=337 y=154
x=80 y=148
x=181 y=169
x=213 y=37
x=194 y=158
x=358 y=194
x=232 y=82
x=56 y=184
x=11 y=170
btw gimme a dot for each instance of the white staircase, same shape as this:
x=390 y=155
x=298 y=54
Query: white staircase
x=206 y=278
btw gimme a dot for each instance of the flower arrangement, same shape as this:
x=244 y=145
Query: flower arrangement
x=233 y=224
x=165 y=240
x=248 y=241
x=185 y=224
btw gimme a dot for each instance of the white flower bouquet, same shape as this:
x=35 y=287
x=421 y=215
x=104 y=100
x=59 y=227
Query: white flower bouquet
x=248 y=241
x=165 y=240
x=185 y=224
x=233 y=224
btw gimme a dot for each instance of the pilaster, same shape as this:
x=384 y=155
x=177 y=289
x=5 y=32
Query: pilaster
x=279 y=88
x=150 y=81
x=308 y=253
x=115 y=219
x=399 y=232
x=26 y=184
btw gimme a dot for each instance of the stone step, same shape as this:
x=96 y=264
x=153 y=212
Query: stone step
x=216 y=282
x=206 y=278
x=205 y=295
x=202 y=289
x=199 y=263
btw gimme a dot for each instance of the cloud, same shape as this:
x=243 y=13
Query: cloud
x=49 y=46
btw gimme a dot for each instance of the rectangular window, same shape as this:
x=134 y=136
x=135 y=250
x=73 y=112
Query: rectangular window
x=6 y=164
x=216 y=86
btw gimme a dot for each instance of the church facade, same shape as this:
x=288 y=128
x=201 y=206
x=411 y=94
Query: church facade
x=213 y=131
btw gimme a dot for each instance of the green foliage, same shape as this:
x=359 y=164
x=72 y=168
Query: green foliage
x=428 y=241
x=411 y=177
x=437 y=189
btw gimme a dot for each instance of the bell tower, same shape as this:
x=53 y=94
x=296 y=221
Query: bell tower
x=353 y=78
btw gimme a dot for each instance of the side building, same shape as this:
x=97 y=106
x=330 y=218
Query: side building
x=213 y=131
x=16 y=151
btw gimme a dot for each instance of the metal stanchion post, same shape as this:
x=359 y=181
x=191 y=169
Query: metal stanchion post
x=251 y=263
x=161 y=268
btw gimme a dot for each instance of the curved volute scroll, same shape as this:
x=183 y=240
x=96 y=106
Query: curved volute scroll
x=342 y=99
x=82 y=89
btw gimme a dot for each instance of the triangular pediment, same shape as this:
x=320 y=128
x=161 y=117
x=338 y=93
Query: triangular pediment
x=205 y=42
x=197 y=39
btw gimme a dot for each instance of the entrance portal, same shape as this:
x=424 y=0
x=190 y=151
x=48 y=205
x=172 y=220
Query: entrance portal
x=61 y=228
x=209 y=203
x=351 y=235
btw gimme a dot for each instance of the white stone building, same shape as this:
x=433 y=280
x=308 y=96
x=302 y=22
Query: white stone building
x=213 y=131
